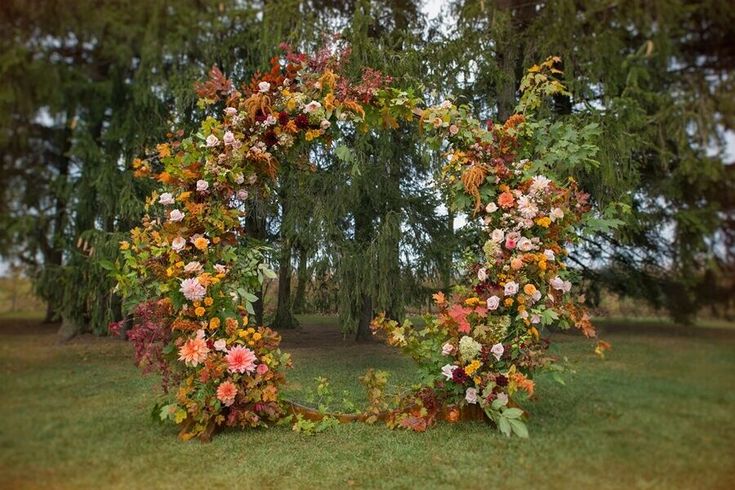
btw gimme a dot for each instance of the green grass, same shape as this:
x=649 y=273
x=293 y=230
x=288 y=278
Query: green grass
x=657 y=413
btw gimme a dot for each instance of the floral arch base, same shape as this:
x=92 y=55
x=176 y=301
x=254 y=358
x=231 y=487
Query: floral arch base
x=189 y=271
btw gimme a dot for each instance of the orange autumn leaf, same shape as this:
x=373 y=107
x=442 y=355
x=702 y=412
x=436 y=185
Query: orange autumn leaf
x=439 y=298
x=164 y=177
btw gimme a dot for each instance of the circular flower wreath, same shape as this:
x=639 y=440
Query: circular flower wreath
x=190 y=271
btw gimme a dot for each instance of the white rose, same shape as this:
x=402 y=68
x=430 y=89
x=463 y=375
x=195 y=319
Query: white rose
x=166 y=199
x=212 y=141
x=493 y=302
x=511 y=288
x=175 y=215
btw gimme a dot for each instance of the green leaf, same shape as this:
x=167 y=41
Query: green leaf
x=504 y=426
x=106 y=264
x=512 y=413
x=519 y=428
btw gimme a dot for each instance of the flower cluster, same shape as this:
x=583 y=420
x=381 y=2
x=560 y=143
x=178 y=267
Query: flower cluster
x=483 y=346
x=192 y=254
x=191 y=249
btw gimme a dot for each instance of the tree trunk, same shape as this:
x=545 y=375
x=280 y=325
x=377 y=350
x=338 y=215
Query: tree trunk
x=363 y=234
x=366 y=316
x=446 y=266
x=302 y=277
x=284 y=319
x=284 y=315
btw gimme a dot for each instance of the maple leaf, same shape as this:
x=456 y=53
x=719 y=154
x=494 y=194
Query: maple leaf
x=217 y=85
x=459 y=313
x=439 y=298
x=414 y=423
x=601 y=347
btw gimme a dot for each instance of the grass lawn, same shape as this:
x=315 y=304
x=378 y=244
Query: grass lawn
x=657 y=413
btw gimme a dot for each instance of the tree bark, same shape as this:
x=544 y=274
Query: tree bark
x=284 y=318
x=366 y=316
x=302 y=277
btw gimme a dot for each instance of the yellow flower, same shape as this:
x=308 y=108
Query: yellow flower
x=474 y=301
x=257 y=336
x=169 y=272
x=214 y=323
x=312 y=134
x=542 y=265
x=124 y=245
x=544 y=222
x=208 y=301
x=183 y=196
x=472 y=367
x=179 y=264
x=508 y=302
x=199 y=311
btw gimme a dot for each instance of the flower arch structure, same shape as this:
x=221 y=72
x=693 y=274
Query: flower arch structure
x=189 y=270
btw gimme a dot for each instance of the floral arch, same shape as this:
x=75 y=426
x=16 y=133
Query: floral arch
x=189 y=273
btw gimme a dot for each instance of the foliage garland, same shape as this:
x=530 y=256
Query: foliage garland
x=191 y=270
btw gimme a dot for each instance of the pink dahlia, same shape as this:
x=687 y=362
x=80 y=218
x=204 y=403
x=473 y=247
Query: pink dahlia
x=226 y=393
x=194 y=351
x=192 y=289
x=240 y=359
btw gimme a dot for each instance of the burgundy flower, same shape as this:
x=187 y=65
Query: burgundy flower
x=270 y=138
x=302 y=121
x=260 y=116
x=283 y=118
x=459 y=376
x=501 y=380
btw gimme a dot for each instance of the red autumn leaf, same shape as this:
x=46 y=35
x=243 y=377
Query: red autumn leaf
x=217 y=85
x=459 y=313
x=416 y=424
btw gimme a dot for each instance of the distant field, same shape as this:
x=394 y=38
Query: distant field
x=657 y=413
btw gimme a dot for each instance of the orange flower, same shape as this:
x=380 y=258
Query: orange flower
x=199 y=311
x=506 y=200
x=208 y=301
x=291 y=127
x=214 y=323
x=529 y=289
x=201 y=243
